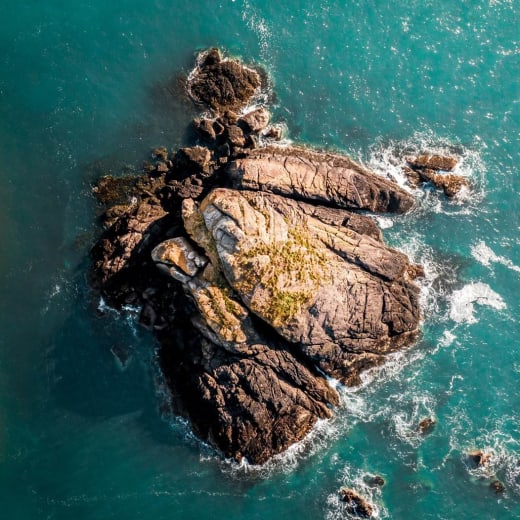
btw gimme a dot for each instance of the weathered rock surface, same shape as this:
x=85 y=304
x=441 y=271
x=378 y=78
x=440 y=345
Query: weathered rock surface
x=341 y=297
x=255 y=120
x=433 y=162
x=255 y=272
x=318 y=177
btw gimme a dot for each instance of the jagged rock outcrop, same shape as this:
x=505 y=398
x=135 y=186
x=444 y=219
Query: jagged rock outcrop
x=222 y=84
x=250 y=264
x=427 y=167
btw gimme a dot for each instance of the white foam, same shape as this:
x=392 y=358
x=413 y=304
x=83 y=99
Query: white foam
x=486 y=256
x=463 y=301
x=447 y=338
x=504 y=462
x=406 y=422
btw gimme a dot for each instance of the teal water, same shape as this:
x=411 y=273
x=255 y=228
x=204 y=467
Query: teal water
x=86 y=87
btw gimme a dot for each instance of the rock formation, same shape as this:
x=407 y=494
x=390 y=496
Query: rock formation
x=355 y=504
x=427 y=167
x=250 y=264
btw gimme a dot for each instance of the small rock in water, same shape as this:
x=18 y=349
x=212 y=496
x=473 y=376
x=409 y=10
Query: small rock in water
x=435 y=162
x=426 y=425
x=222 y=84
x=497 y=486
x=425 y=168
x=480 y=458
x=375 y=481
x=355 y=503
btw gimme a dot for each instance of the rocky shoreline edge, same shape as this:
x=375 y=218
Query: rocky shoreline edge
x=258 y=269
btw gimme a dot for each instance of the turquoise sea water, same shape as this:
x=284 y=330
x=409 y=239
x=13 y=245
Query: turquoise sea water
x=86 y=87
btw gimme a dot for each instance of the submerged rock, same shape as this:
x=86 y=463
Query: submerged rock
x=257 y=275
x=375 y=481
x=426 y=425
x=497 y=486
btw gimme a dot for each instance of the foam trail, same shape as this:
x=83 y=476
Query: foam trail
x=462 y=301
x=486 y=256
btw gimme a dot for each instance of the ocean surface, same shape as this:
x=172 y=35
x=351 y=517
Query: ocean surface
x=89 y=87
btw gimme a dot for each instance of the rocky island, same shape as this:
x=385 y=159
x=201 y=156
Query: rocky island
x=258 y=268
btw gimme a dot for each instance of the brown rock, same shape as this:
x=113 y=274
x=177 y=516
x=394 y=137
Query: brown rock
x=254 y=295
x=497 y=486
x=161 y=167
x=274 y=132
x=375 y=481
x=433 y=162
x=319 y=178
x=415 y=271
x=249 y=406
x=196 y=159
x=160 y=153
x=255 y=120
x=339 y=296
x=111 y=190
x=222 y=84
x=449 y=183
x=177 y=254
x=355 y=503
x=235 y=136
x=413 y=176
x=480 y=458
x=426 y=425
x=204 y=127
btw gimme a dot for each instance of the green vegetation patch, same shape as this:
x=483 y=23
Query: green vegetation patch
x=279 y=286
